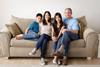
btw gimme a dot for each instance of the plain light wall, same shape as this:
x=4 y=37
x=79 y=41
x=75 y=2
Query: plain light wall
x=29 y=8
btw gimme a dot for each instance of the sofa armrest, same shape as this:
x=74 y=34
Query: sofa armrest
x=5 y=30
x=5 y=38
x=92 y=40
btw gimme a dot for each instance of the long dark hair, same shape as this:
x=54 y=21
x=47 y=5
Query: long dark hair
x=55 y=23
x=44 y=21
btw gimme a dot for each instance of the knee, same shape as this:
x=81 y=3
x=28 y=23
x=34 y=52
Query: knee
x=65 y=34
x=42 y=36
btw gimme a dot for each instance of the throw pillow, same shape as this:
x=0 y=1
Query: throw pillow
x=14 y=29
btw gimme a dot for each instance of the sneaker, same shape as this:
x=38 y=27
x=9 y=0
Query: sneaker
x=59 y=62
x=33 y=52
x=43 y=61
x=54 y=61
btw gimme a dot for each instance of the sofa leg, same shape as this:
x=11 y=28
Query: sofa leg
x=9 y=57
x=89 y=58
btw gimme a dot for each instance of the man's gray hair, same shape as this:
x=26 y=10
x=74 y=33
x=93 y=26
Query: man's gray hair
x=68 y=9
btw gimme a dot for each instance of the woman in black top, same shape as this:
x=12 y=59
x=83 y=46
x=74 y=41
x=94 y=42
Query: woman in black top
x=57 y=27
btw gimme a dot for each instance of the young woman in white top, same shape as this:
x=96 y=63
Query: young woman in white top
x=45 y=36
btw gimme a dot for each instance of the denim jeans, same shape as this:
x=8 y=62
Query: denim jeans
x=42 y=44
x=64 y=40
x=56 y=45
x=31 y=35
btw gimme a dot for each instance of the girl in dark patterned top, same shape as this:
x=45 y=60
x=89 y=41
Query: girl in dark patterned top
x=57 y=27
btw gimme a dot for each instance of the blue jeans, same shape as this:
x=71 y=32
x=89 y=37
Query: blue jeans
x=65 y=39
x=56 y=46
x=42 y=44
x=31 y=35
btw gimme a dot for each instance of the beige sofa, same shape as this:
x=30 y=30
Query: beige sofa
x=85 y=47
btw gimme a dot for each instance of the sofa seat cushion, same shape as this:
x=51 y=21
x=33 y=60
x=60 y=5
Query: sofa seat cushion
x=31 y=43
x=77 y=43
x=22 y=43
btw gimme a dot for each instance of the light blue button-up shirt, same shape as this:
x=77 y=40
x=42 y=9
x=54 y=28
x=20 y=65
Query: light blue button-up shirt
x=72 y=24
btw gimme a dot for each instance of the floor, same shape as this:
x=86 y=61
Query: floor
x=71 y=61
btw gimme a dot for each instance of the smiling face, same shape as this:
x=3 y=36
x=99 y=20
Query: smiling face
x=58 y=19
x=39 y=18
x=47 y=16
x=68 y=13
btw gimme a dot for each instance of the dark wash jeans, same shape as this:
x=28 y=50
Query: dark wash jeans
x=65 y=39
x=42 y=44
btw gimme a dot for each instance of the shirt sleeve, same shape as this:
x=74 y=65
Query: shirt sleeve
x=31 y=25
x=64 y=20
x=75 y=25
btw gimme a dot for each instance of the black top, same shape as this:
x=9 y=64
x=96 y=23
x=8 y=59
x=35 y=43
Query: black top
x=56 y=29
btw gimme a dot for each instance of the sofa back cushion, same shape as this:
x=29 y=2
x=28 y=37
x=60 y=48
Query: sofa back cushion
x=21 y=22
x=82 y=24
x=24 y=22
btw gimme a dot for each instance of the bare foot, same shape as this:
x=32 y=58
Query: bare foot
x=20 y=36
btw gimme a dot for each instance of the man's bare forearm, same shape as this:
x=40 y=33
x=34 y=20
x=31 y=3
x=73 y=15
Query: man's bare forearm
x=73 y=31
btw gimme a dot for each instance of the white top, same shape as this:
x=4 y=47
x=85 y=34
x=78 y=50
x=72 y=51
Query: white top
x=45 y=29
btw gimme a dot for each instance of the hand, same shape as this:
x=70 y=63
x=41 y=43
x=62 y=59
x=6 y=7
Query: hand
x=54 y=38
x=25 y=32
x=64 y=30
